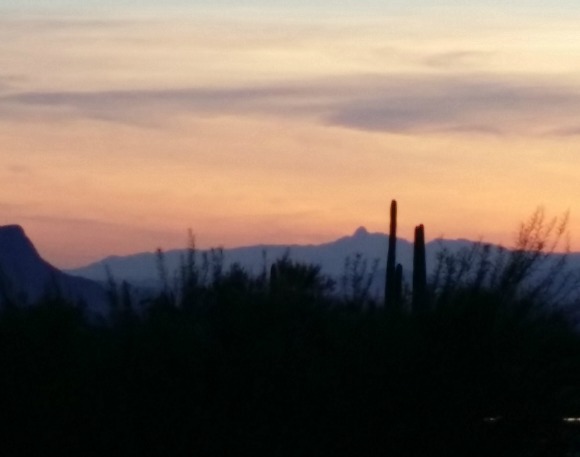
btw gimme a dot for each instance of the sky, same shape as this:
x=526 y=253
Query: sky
x=123 y=124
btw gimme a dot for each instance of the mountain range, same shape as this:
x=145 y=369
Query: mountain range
x=25 y=277
x=143 y=269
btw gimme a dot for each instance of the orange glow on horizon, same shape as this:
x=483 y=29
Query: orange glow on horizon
x=251 y=132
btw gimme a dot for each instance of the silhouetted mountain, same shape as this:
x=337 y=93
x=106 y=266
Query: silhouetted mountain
x=142 y=269
x=235 y=365
x=25 y=277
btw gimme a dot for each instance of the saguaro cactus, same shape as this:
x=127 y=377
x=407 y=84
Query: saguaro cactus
x=398 y=295
x=419 y=270
x=390 y=280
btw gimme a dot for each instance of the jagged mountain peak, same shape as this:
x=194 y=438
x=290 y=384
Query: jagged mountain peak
x=11 y=229
x=361 y=232
x=16 y=247
x=14 y=235
x=25 y=274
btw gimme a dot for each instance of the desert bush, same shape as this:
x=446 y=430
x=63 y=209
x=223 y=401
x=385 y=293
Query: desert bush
x=236 y=364
x=534 y=270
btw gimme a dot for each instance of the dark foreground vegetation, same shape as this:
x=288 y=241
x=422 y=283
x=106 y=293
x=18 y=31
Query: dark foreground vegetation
x=277 y=365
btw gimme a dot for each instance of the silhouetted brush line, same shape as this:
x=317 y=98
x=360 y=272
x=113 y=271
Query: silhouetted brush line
x=356 y=281
x=533 y=271
x=189 y=284
x=250 y=368
x=290 y=278
x=277 y=365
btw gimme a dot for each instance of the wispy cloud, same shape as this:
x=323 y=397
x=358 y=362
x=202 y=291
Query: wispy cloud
x=9 y=83
x=461 y=104
x=156 y=106
x=461 y=59
x=398 y=104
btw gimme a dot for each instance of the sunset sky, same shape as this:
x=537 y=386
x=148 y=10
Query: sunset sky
x=124 y=123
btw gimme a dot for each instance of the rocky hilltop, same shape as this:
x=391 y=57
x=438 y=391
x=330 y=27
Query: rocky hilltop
x=25 y=277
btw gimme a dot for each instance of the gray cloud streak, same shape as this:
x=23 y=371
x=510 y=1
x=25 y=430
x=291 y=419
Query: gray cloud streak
x=9 y=83
x=398 y=104
x=456 y=59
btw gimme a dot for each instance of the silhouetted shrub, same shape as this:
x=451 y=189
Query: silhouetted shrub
x=225 y=363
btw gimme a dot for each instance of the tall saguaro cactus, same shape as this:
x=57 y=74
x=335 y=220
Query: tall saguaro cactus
x=398 y=284
x=391 y=278
x=419 y=270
